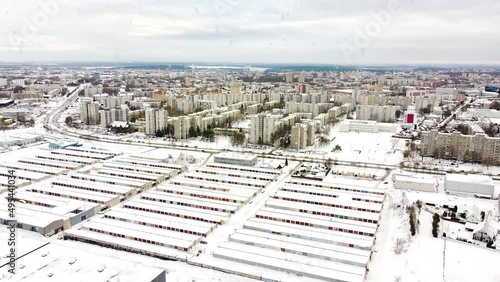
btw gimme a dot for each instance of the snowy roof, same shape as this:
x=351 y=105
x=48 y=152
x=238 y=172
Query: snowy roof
x=489 y=228
x=204 y=192
x=93 y=186
x=191 y=201
x=232 y=172
x=119 y=124
x=236 y=156
x=331 y=192
x=214 y=185
x=110 y=179
x=138 y=167
x=65 y=264
x=182 y=211
x=423 y=180
x=470 y=178
x=28 y=216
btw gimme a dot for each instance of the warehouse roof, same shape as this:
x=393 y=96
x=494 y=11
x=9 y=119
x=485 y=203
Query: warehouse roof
x=470 y=178
x=423 y=180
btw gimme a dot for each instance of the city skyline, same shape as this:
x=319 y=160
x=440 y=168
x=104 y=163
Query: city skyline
x=392 y=32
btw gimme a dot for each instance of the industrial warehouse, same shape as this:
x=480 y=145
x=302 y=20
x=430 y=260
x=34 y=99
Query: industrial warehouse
x=113 y=180
x=39 y=261
x=320 y=230
x=176 y=215
x=147 y=204
x=47 y=214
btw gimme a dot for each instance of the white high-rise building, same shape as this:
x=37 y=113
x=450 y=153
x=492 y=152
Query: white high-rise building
x=93 y=113
x=107 y=117
x=269 y=128
x=89 y=112
x=19 y=82
x=256 y=128
x=377 y=113
x=150 y=128
x=84 y=110
x=181 y=127
x=262 y=127
x=302 y=78
x=111 y=102
x=161 y=119
x=3 y=82
x=299 y=136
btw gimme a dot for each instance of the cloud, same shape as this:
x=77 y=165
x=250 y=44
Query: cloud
x=259 y=31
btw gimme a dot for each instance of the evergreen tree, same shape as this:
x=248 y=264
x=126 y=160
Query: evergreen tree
x=435 y=225
x=413 y=221
x=192 y=132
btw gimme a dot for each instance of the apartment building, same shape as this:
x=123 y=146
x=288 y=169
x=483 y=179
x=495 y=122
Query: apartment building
x=473 y=148
x=89 y=112
x=377 y=113
x=299 y=136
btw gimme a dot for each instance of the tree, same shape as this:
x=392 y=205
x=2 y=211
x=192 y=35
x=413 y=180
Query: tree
x=68 y=121
x=463 y=128
x=18 y=89
x=446 y=113
x=329 y=162
x=160 y=133
x=406 y=153
x=208 y=135
x=490 y=245
x=455 y=209
x=324 y=141
x=413 y=221
x=483 y=215
x=192 y=132
x=337 y=148
x=398 y=114
x=419 y=204
x=238 y=138
x=129 y=87
x=133 y=119
x=495 y=105
x=286 y=162
x=198 y=131
x=435 y=225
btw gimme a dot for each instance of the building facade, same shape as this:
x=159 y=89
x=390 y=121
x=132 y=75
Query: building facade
x=472 y=148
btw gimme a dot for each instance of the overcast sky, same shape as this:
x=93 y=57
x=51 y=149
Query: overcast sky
x=252 y=31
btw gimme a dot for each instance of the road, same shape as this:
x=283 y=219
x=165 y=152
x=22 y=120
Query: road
x=51 y=120
x=454 y=114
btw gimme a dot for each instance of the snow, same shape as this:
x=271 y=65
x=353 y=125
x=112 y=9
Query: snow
x=471 y=178
x=89 y=258
x=425 y=258
x=357 y=147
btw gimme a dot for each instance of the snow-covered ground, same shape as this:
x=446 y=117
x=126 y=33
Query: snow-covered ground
x=423 y=257
x=367 y=147
x=357 y=147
